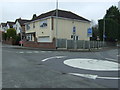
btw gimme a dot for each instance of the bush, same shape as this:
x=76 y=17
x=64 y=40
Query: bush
x=17 y=40
x=11 y=33
x=4 y=36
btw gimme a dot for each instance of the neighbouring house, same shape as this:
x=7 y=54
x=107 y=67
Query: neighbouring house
x=43 y=30
x=19 y=26
x=3 y=27
x=9 y=24
x=1 y=36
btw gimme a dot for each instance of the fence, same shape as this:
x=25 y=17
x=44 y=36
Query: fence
x=79 y=44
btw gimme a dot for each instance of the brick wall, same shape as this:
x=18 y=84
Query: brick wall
x=9 y=41
x=40 y=45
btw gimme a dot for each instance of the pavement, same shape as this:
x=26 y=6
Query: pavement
x=60 y=49
x=35 y=68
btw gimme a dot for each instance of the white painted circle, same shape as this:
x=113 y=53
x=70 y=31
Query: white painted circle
x=92 y=64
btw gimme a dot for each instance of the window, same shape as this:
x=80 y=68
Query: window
x=34 y=25
x=27 y=26
x=43 y=23
x=29 y=37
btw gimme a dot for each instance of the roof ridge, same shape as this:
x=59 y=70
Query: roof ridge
x=61 y=13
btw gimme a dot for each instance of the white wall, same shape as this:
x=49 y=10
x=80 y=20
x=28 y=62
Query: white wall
x=65 y=29
x=18 y=26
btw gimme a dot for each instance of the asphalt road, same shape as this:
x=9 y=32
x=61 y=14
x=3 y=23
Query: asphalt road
x=23 y=68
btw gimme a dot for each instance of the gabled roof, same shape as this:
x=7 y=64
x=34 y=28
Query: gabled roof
x=3 y=24
x=61 y=13
x=10 y=23
x=22 y=21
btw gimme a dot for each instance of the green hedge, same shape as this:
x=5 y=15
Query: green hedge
x=112 y=29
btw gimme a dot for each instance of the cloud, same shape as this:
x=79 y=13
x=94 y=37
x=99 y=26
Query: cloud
x=89 y=10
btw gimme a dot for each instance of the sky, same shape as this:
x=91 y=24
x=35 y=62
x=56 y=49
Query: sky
x=90 y=9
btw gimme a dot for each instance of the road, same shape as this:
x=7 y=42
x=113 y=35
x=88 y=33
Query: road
x=24 y=68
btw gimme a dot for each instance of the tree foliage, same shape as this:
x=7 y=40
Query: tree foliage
x=113 y=13
x=4 y=35
x=11 y=33
x=95 y=32
x=112 y=24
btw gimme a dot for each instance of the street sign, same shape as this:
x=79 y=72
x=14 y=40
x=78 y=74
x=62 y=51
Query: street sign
x=104 y=36
x=89 y=32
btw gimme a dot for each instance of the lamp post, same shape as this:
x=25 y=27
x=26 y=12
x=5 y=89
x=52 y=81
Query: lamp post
x=56 y=22
x=104 y=32
x=21 y=36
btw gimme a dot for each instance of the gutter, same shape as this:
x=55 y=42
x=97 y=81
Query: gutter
x=58 y=18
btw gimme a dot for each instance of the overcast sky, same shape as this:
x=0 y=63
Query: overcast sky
x=90 y=9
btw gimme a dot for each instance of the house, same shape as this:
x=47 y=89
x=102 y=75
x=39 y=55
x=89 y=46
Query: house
x=19 y=26
x=9 y=24
x=3 y=27
x=46 y=28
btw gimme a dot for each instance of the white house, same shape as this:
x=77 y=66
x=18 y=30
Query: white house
x=3 y=27
x=20 y=25
x=45 y=28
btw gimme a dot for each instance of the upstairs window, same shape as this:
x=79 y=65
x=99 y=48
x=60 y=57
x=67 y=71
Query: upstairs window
x=27 y=26
x=34 y=25
x=43 y=23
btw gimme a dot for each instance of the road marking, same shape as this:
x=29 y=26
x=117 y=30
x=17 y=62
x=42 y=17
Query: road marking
x=85 y=75
x=36 y=51
x=110 y=59
x=92 y=64
x=16 y=86
x=90 y=76
x=118 y=55
x=108 y=77
x=29 y=52
x=21 y=52
x=43 y=51
x=58 y=57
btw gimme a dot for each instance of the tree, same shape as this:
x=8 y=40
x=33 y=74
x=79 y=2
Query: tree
x=11 y=33
x=113 y=13
x=112 y=24
x=4 y=36
x=95 y=32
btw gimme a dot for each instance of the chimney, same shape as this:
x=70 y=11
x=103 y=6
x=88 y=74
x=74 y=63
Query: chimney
x=34 y=16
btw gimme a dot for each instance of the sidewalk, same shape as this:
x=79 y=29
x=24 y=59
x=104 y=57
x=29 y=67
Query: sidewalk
x=60 y=49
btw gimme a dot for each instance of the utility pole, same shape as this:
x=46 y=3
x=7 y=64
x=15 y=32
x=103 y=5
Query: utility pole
x=104 y=32
x=21 y=36
x=56 y=21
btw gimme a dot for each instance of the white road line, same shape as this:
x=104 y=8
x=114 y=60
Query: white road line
x=16 y=86
x=21 y=52
x=90 y=76
x=118 y=55
x=43 y=51
x=108 y=77
x=110 y=59
x=29 y=52
x=85 y=75
x=58 y=57
x=36 y=51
